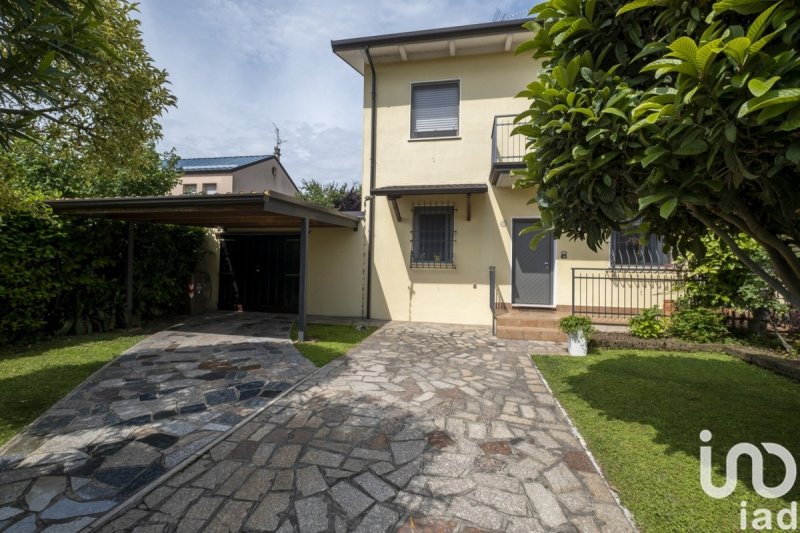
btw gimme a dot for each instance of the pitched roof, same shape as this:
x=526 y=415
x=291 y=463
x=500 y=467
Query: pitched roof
x=220 y=164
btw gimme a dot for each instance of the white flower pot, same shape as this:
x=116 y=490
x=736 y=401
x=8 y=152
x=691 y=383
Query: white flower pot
x=577 y=344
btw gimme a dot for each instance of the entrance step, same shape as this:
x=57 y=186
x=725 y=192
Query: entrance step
x=530 y=324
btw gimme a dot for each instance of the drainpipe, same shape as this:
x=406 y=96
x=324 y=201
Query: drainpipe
x=372 y=166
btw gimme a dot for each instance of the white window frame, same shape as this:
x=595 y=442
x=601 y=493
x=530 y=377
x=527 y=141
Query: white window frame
x=187 y=186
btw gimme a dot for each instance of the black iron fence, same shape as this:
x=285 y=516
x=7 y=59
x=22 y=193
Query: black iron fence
x=621 y=293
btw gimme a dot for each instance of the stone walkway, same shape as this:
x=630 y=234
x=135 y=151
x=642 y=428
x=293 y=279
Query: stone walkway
x=140 y=416
x=421 y=428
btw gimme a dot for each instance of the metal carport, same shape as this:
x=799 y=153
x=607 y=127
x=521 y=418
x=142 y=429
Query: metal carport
x=268 y=210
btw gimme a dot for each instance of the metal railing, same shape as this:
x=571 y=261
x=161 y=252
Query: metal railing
x=622 y=293
x=506 y=148
x=492 y=297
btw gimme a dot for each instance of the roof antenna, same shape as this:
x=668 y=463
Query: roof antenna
x=278 y=141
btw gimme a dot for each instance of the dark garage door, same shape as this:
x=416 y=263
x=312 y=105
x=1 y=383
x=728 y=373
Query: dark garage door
x=266 y=269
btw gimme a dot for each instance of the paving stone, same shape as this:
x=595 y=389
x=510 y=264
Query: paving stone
x=203 y=508
x=310 y=481
x=312 y=515
x=67 y=508
x=26 y=525
x=403 y=475
x=315 y=456
x=545 y=504
x=69 y=527
x=378 y=519
x=505 y=502
x=562 y=479
x=375 y=487
x=406 y=451
x=217 y=474
x=479 y=515
x=230 y=516
x=8 y=512
x=43 y=491
x=266 y=514
x=448 y=464
x=350 y=499
x=256 y=485
x=175 y=505
x=285 y=456
x=284 y=480
x=11 y=491
x=449 y=486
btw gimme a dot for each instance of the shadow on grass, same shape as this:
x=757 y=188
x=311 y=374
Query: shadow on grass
x=679 y=395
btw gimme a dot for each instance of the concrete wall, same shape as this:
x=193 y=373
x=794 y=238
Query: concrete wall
x=224 y=182
x=460 y=295
x=259 y=178
x=210 y=264
x=336 y=280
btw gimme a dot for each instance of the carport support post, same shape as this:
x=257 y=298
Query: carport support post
x=129 y=279
x=301 y=322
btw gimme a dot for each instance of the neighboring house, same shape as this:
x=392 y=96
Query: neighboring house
x=241 y=174
x=438 y=157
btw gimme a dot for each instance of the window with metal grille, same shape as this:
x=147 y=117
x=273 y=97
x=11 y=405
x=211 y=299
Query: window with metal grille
x=634 y=250
x=432 y=236
x=434 y=109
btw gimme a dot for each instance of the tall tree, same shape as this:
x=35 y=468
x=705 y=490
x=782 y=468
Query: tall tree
x=75 y=78
x=333 y=195
x=676 y=117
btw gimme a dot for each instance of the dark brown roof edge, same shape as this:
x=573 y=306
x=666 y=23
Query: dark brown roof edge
x=400 y=190
x=487 y=28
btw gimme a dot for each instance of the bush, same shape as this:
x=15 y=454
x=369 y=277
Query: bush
x=576 y=324
x=649 y=324
x=698 y=325
x=59 y=275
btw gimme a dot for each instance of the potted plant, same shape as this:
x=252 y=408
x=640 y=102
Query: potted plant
x=579 y=330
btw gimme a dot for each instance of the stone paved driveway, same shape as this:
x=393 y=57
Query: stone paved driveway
x=140 y=416
x=420 y=428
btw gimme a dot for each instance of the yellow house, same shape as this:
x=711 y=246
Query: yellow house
x=441 y=212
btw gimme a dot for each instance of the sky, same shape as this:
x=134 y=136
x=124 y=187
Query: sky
x=239 y=66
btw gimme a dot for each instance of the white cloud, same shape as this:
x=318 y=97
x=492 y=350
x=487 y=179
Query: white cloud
x=239 y=66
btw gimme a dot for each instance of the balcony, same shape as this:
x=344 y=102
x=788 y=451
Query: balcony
x=508 y=151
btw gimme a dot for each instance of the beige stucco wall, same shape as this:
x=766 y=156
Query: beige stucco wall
x=488 y=85
x=259 y=178
x=336 y=281
x=224 y=182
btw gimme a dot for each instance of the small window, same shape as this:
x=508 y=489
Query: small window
x=433 y=236
x=209 y=188
x=632 y=251
x=190 y=188
x=434 y=110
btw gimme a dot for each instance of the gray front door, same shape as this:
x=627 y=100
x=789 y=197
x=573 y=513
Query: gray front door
x=532 y=272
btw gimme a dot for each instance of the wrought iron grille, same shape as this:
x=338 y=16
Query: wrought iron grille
x=433 y=236
x=633 y=251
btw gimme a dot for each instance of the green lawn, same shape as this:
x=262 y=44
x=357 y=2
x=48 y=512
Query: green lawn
x=33 y=377
x=326 y=342
x=642 y=412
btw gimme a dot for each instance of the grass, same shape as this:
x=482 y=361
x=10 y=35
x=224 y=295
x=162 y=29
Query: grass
x=35 y=376
x=326 y=342
x=642 y=412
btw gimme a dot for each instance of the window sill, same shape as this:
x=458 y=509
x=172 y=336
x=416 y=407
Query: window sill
x=428 y=139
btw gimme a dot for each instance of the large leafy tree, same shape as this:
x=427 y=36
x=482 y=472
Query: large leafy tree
x=78 y=87
x=675 y=117
x=333 y=195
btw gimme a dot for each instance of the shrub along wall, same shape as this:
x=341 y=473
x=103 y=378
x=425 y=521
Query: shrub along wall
x=68 y=275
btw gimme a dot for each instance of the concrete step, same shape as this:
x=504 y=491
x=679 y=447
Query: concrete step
x=530 y=333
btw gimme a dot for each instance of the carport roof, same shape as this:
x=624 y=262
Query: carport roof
x=267 y=210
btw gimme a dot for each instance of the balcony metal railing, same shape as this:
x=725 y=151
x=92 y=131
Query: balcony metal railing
x=506 y=148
